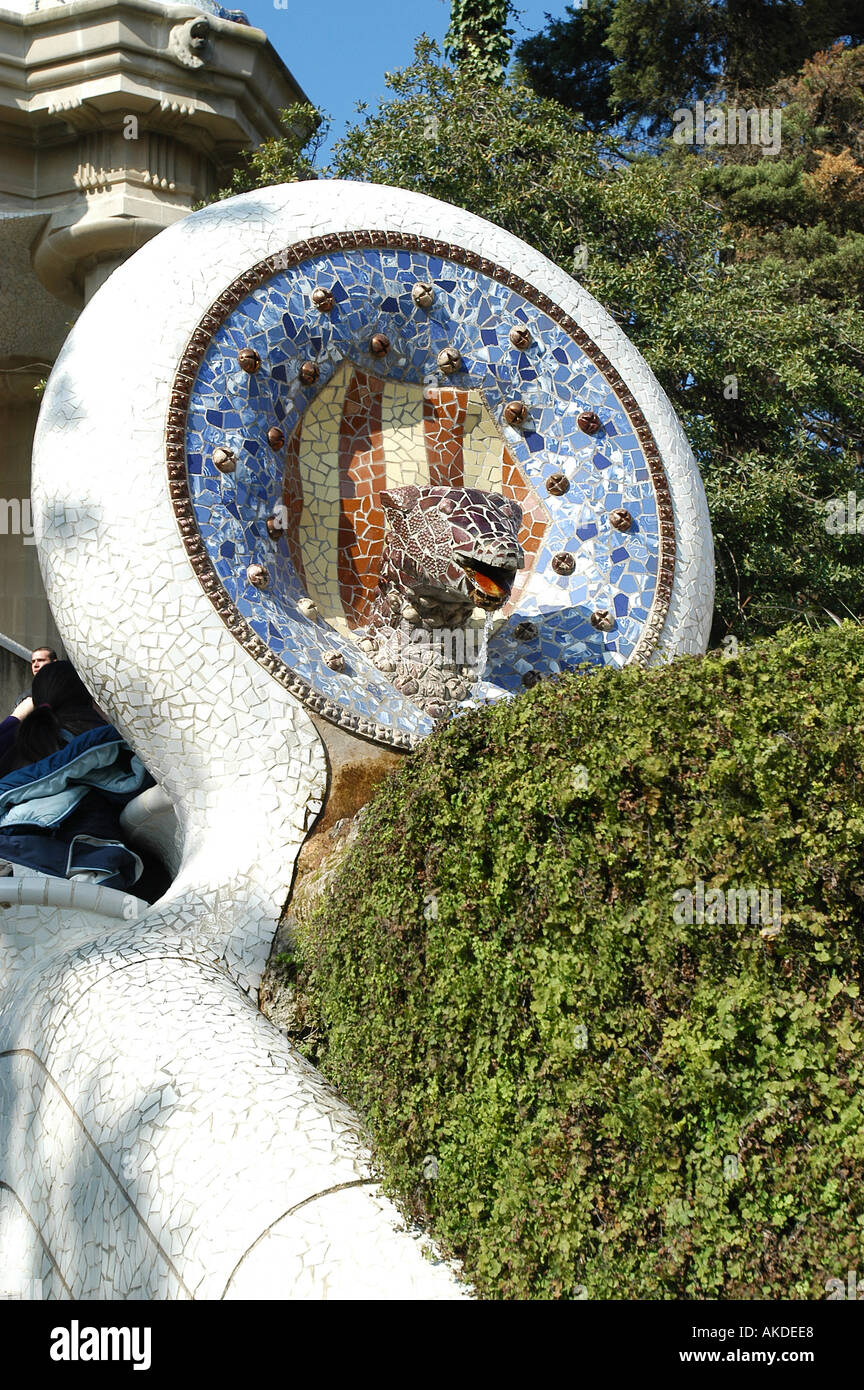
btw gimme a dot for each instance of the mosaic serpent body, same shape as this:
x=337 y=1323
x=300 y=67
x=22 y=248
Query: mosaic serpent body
x=221 y=441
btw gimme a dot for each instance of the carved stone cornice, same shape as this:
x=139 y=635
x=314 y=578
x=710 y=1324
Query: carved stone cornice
x=124 y=48
x=118 y=116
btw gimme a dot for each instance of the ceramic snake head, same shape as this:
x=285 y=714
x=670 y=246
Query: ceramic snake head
x=449 y=550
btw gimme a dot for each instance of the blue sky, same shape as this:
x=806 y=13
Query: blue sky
x=339 y=50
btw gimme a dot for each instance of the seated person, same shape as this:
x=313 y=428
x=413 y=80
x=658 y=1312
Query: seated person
x=65 y=776
x=9 y=727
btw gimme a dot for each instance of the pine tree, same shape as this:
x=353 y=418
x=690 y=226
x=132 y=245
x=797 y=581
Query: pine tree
x=641 y=59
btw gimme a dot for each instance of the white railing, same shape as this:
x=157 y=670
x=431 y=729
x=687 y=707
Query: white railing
x=15 y=647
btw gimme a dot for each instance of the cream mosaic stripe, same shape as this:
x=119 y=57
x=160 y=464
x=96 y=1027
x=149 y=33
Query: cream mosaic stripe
x=404 y=434
x=482 y=446
x=319 y=474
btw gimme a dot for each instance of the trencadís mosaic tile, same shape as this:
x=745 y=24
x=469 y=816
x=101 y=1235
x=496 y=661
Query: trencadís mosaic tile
x=346 y=397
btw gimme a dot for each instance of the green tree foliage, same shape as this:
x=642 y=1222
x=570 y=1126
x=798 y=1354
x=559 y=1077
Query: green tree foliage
x=775 y=442
x=478 y=40
x=804 y=207
x=762 y=366
x=641 y=1106
x=289 y=159
x=570 y=62
x=662 y=54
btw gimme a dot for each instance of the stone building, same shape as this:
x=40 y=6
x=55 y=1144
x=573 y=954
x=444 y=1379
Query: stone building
x=116 y=118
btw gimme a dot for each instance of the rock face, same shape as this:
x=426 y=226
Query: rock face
x=355 y=769
x=314 y=879
x=279 y=998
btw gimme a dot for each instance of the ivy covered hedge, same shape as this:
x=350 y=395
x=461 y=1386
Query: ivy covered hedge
x=581 y=1095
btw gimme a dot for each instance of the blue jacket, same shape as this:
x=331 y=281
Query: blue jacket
x=44 y=808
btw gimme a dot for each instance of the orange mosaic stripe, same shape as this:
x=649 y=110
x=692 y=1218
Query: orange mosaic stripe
x=362 y=477
x=292 y=497
x=534 y=521
x=443 y=421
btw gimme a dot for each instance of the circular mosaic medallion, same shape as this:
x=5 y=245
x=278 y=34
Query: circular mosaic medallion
x=347 y=366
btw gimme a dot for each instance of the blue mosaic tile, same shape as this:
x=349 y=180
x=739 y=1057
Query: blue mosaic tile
x=557 y=380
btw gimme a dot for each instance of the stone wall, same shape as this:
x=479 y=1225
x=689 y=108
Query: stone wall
x=15 y=677
x=26 y=616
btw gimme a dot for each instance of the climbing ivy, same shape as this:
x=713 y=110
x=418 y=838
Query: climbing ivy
x=581 y=1095
x=478 y=40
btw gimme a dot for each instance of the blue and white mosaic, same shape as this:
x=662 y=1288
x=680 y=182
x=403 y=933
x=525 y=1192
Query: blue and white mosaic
x=614 y=572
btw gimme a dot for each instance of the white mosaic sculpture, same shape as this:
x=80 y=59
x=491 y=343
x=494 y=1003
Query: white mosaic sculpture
x=159 y=1138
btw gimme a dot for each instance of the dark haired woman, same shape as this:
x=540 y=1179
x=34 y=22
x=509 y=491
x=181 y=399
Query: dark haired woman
x=59 y=697
x=63 y=783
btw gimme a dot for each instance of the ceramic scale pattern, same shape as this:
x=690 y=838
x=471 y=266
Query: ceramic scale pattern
x=159 y=1138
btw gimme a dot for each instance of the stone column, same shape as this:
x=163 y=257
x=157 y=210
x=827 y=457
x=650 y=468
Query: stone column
x=117 y=117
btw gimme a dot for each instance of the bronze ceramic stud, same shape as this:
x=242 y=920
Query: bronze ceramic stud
x=423 y=294
x=520 y=338
x=525 y=631
x=309 y=373
x=275 y=528
x=530 y=679
x=334 y=659
x=257 y=575
x=602 y=620
x=449 y=361
x=275 y=437
x=558 y=484
x=589 y=421
x=563 y=562
x=516 y=413
x=224 y=459
x=249 y=360
x=621 y=519
x=379 y=345
x=323 y=300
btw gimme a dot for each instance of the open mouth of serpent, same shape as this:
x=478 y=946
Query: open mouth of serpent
x=490 y=584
